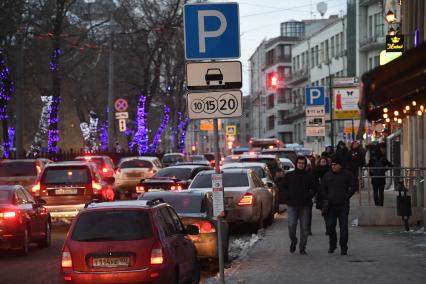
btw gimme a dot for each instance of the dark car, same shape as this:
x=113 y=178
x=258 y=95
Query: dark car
x=214 y=74
x=272 y=161
x=22 y=220
x=171 y=159
x=171 y=178
x=23 y=172
x=196 y=208
x=68 y=186
x=129 y=242
x=104 y=164
x=212 y=158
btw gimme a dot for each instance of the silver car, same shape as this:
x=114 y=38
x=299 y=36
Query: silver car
x=247 y=199
x=262 y=170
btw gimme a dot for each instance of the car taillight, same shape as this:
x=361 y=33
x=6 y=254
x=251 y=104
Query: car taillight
x=96 y=187
x=66 y=261
x=8 y=214
x=140 y=189
x=157 y=254
x=176 y=187
x=104 y=170
x=36 y=189
x=206 y=227
x=247 y=199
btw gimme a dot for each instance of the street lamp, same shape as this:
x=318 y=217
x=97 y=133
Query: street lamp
x=390 y=17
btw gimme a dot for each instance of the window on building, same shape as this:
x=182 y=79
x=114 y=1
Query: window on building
x=284 y=95
x=376 y=61
x=322 y=82
x=271 y=122
x=312 y=57
x=270 y=57
x=322 y=52
x=342 y=43
x=298 y=62
x=303 y=60
x=270 y=103
x=294 y=63
x=378 y=25
x=370 y=63
x=326 y=50
x=370 y=26
x=316 y=55
x=332 y=46
x=337 y=44
x=286 y=137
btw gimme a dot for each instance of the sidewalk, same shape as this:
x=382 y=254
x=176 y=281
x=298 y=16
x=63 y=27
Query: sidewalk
x=376 y=255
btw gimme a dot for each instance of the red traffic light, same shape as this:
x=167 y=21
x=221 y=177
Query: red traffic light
x=274 y=81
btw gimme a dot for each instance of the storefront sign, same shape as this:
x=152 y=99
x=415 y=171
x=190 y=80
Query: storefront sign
x=395 y=43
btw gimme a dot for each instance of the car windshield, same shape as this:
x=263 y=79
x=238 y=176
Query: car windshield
x=179 y=173
x=182 y=203
x=172 y=159
x=135 y=164
x=17 y=168
x=117 y=225
x=98 y=161
x=5 y=197
x=229 y=180
x=66 y=175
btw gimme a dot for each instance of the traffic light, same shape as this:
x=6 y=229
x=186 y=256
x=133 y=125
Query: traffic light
x=193 y=148
x=230 y=145
x=274 y=81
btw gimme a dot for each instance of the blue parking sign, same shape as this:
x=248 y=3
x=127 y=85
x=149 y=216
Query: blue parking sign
x=315 y=96
x=212 y=31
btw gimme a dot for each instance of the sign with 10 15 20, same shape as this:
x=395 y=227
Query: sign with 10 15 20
x=214 y=104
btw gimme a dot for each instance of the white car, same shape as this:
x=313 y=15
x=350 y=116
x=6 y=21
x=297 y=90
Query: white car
x=247 y=199
x=130 y=171
x=287 y=164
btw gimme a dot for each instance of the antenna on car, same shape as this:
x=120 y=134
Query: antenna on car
x=155 y=201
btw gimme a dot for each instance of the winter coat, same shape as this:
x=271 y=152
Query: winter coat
x=356 y=160
x=378 y=160
x=299 y=187
x=319 y=173
x=338 y=187
x=342 y=153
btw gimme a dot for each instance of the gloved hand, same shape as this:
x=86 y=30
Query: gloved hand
x=324 y=209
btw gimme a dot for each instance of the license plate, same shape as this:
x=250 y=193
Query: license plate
x=111 y=262
x=156 y=189
x=63 y=191
x=134 y=174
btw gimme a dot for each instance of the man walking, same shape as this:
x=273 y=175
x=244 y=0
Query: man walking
x=338 y=186
x=299 y=187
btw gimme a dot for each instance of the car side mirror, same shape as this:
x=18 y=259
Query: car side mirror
x=109 y=180
x=192 y=230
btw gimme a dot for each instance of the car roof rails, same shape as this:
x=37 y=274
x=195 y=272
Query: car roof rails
x=155 y=201
x=96 y=200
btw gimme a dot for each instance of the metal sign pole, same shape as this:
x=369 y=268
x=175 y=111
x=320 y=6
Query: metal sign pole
x=219 y=218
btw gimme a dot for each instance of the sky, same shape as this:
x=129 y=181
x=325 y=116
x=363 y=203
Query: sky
x=260 y=19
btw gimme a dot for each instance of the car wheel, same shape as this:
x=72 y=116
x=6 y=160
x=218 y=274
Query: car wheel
x=47 y=240
x=259 y=223
x=25 y=244
x=196 y=273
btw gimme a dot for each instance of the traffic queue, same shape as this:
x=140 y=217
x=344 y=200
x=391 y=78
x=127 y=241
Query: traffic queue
x=139 y=220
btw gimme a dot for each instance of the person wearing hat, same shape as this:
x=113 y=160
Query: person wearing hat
x=337 y=187
x=299 y=187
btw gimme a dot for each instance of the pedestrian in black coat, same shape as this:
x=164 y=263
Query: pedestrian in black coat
x=356 y=158
x=299 y=187
x=337 y=186
x=378 y=180
x=320 y=170
x=342 y=153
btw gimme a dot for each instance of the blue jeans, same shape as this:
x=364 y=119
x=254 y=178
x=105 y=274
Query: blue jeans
x=301 y=214
x=340 y=212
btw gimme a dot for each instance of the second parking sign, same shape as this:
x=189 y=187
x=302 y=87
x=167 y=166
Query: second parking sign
x=213 y=75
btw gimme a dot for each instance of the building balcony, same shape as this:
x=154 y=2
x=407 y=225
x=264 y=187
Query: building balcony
x=277 y=60
x=371 y=43
x=299 y=76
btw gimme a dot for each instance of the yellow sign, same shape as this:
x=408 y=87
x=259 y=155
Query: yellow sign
x=386 y=57
x=395 y=43
x=345 y=103
x=207 y=124
x=231 y=130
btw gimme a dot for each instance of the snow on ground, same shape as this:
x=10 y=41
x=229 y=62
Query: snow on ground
x=239 y=247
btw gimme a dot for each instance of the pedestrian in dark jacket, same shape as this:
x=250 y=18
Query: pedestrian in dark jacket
x=378 y=180
x=320 y=170
x=356 y=158
x=299 y=187
x=338 y=186
x=342 y=153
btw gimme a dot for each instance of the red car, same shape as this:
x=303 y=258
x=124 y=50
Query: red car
x=104 y=164
x=22 y=220
x=129 y=242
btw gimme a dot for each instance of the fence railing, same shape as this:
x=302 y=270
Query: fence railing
x=409 y=177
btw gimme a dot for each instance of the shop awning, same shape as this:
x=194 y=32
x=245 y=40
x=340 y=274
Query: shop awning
x=396 y=83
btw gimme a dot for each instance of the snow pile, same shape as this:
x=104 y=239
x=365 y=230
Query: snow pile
x=239 y=248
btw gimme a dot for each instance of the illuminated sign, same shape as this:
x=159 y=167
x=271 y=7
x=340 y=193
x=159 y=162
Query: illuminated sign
x=386 y=57
x=395 y=43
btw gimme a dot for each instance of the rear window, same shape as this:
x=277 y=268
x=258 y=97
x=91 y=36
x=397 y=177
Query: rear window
x=258 y=170
x=135 y=164
x=115 y=225
x=179 y=173
x=229 y=180
x=5 y=197
x=17 y=168
x=172 y=159
x=182 y=203
x=66 y=175
x=98 y=161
